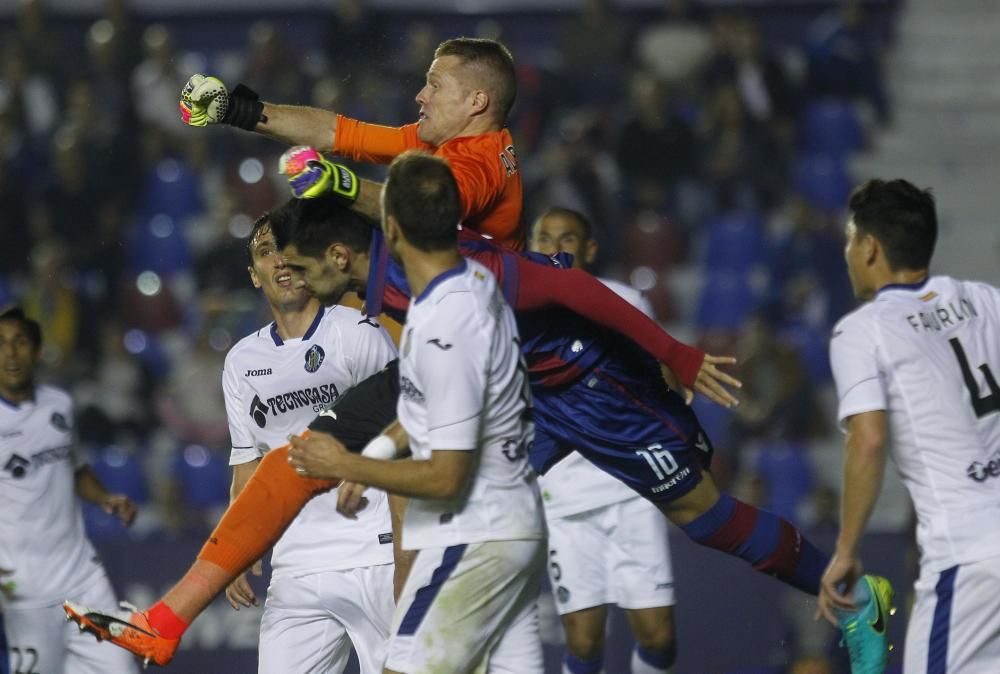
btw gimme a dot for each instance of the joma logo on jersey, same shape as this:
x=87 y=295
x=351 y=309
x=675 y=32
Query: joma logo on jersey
x=315 y=397
x=17 y=466
x=980 y=472
x=258 y=373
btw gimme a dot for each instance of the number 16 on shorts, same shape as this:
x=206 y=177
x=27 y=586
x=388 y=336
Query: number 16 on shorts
x=664 y=467
x=660 y=460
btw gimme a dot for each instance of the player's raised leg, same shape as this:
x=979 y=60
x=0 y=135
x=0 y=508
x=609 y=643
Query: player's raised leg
x=769 y=543
x=250 y=526
x=773 y=545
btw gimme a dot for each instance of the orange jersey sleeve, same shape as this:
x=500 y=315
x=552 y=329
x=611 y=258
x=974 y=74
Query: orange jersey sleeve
x=374 y=143
x=489 y=184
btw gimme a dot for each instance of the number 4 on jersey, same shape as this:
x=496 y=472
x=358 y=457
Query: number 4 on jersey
x=981 y=405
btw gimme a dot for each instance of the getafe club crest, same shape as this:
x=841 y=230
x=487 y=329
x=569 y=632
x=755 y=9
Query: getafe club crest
x=314 y=357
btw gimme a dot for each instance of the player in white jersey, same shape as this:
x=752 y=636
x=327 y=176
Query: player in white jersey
x=607 y=544
x=44 y=553
x=470 y=601
x=332 y=577
x=919 y=363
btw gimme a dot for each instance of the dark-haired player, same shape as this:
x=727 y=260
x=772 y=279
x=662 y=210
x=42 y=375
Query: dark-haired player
x=919 y=363
x=332 y=578
x=44 y=553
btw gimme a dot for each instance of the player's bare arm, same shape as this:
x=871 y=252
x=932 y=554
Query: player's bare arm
x=206 y=100
x=389 y=444
x=89 y=488
x=444 y=476
x=403 y=559
x=239 y=593
x=299 y=125
x=864 y=465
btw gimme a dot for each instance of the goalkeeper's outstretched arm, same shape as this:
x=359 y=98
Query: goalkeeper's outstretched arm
x=205 y=100
x=299 y=125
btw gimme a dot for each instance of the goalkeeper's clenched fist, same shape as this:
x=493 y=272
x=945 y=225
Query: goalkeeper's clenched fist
x=205 y=100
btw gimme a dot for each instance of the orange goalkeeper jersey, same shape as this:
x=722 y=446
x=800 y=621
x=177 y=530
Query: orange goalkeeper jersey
x=485 y=168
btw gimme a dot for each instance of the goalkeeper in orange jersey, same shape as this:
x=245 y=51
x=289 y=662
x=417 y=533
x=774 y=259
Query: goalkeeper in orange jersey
x=463 y=112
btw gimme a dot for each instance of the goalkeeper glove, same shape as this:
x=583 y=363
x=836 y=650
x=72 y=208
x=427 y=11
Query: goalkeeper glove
x=205 y=100
x=311 y=176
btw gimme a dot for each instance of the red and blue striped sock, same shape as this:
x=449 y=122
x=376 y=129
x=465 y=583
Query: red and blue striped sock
x=772 y=545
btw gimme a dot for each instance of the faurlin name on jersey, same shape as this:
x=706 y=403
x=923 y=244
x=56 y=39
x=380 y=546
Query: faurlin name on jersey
x=942 y=317
x=316 y=397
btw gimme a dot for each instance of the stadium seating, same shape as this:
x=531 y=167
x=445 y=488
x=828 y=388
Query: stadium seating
x=823 y=180
x=735 y=242
x=831 y=126
x=813 y=346
x=122 y=473
x=203 y=476
x=727 y=299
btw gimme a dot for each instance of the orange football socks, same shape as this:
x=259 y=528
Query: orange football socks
x=249 y=528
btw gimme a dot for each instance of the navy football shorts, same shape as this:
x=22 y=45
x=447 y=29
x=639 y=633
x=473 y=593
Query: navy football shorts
x=637 y=431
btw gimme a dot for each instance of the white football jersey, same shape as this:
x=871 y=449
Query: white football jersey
x=929 y=355
x=41 y=526
x=463 y=386
x=575 y=485
x=274 y=388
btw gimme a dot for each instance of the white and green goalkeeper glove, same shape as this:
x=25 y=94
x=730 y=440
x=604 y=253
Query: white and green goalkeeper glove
x=205 y=100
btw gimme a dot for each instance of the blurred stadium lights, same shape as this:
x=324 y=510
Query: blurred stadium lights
x=148 y=283
x=168 y=170
x=196 y=456
x=251 y=170
x=642 y=278
x=220 y=339
x=135 y=341
x=161 y=225
x=240 y=225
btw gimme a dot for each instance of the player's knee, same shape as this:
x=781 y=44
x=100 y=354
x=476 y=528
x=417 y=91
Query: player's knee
x=584 y=644
x=656 y=635
x=657 y=639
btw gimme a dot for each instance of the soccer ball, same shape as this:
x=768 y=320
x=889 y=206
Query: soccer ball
x=295 y=160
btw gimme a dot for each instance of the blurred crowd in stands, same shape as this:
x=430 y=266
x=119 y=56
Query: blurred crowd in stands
x=708 y=145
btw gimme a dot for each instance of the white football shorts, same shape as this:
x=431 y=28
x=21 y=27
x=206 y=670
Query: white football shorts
x=40 y=639
x=470 y=608
x=310 y=622
x=616 y=554
x=955 y=624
